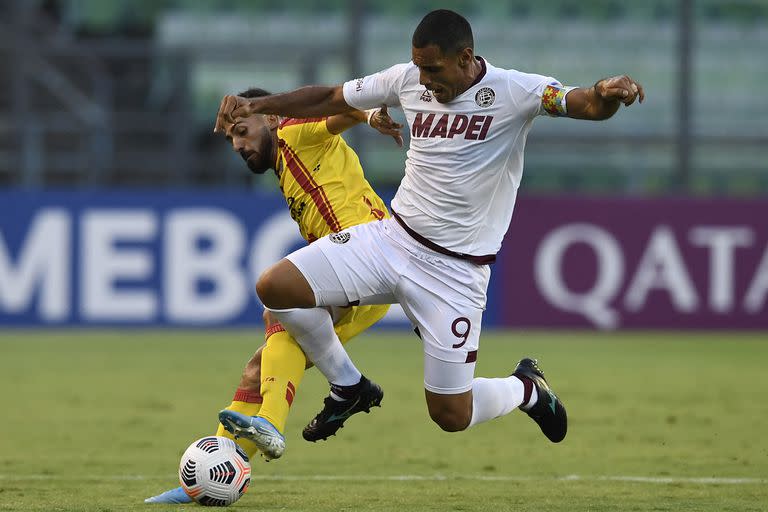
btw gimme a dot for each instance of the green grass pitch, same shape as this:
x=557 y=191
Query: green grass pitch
x=97 y=421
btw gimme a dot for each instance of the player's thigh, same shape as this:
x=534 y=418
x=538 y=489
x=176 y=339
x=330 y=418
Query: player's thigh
x=449 y=327
x=349 y=267
x=354 y=320
x=444 y=298
x=447 y=378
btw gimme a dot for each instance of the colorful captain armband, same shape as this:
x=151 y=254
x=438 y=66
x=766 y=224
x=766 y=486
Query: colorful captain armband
x=553 y=99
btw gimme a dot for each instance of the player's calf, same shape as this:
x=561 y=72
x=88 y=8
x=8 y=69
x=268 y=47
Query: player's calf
x=251 y=376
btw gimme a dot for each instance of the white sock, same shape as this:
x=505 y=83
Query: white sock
x=492 y=398
x=313 y=330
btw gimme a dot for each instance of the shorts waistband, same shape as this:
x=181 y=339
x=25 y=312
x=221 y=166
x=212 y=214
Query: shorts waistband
x=477 y=260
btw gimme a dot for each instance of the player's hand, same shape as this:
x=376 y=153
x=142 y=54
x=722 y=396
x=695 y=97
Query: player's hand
x=382 y=122
x=622 y=88
x=231 y=108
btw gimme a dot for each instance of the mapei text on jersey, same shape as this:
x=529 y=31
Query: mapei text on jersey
x=450 y=125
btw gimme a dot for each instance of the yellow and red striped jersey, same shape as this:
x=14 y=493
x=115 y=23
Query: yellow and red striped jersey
x=322 y=180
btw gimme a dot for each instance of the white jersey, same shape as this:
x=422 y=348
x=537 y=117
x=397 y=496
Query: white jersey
x=465 y=161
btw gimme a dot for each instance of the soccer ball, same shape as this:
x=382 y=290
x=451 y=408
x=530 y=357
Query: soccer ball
x=214 y=471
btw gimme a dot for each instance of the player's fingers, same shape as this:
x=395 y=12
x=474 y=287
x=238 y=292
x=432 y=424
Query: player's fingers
x=383 y=110
x=220 y=122
x=398 y=139
x=613 y=82
x=616 y=92
x=385 y=119
x=219 y=125
x=640 y=92
x=389 y=131
x=224 y=115
x=242 y=109
x=634 y=92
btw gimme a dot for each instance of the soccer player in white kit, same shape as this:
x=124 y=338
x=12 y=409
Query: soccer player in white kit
x=469 y=121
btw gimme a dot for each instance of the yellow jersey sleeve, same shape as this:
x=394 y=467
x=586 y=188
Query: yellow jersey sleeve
x=310 y=131
x=322 y=180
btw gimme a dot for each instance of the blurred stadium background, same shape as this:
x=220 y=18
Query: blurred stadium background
x=119 y=208
x=123 y=92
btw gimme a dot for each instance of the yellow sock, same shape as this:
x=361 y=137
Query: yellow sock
x=248 y=403
x=282 y=368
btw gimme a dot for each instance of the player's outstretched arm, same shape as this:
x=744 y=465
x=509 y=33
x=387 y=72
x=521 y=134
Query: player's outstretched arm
x=342 y=122
x=378 y=119
x=602 y=100
x=311 y=101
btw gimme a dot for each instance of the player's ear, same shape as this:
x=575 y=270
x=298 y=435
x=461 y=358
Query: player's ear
x=272 y=121
x=465 y=57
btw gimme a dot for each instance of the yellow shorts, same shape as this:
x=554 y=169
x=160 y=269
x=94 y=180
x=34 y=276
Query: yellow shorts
x=357 y=319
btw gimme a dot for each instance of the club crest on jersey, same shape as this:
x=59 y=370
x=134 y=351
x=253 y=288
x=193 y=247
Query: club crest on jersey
x=426 y=96
x=485 y=97
x=340 y=238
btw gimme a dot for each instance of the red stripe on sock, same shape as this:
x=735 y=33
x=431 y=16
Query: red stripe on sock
x=527 y=389
x=290 y=392
x=272 y=329
x=243 y=395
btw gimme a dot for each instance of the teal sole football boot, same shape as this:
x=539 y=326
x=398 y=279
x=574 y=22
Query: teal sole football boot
x=335 y=413
x=548 y=411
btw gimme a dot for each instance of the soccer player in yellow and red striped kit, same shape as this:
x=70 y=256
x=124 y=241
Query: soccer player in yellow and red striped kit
x=326 y=191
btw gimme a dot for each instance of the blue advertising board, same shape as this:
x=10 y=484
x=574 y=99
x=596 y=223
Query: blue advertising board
x=140 y=258
x=191 y=258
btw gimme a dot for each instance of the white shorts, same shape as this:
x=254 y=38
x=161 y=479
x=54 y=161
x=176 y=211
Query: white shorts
x=379 y=263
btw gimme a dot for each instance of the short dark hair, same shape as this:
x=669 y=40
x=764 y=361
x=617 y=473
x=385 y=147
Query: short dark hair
x=447 y=30
x=254 y=92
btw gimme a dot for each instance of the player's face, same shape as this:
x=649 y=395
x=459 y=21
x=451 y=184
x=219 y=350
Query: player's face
x=251 y=137
x=442 y=74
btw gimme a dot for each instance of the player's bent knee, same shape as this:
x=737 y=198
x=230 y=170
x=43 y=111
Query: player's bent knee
x=282 y=286
x=452 y=413
x=267 y=288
